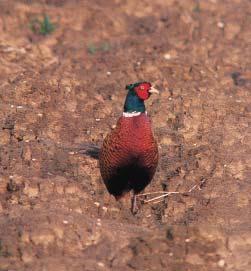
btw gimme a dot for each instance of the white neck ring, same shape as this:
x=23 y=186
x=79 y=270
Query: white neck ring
x=132 y=114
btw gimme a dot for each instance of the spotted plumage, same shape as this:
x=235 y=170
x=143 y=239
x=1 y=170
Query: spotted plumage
x=129 y=155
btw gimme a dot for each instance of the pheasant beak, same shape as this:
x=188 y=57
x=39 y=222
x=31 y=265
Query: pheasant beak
x=153 y=90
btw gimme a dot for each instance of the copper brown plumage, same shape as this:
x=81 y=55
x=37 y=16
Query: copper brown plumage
x=129 y=156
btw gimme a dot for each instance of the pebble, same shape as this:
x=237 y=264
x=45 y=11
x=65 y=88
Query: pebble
x=97 y=203
x=221 y=263
x=65 y=221
x=167 y=56
x=97 y=119
x=101 y=264
x=220 y=24
x=108 y=73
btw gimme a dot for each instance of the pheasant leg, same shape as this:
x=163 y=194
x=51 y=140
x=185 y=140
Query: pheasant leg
x=134 y=208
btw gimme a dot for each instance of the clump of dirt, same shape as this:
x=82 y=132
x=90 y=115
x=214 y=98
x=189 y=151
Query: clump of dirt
x=64 y=91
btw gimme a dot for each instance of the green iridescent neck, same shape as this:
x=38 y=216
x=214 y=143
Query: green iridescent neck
x=133 y=103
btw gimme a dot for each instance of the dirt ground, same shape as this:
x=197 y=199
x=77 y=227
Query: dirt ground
x=63 y=90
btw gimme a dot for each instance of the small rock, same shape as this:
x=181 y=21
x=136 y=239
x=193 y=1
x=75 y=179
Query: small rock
x=171 y=54
x=101 y=264
x=108 y=73
x=220 y=24
x=97 y=203
x=221 y=263
x=167 y=56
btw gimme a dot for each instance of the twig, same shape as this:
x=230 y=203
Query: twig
x=162 y=196
x=155 y=192
x=165 y=194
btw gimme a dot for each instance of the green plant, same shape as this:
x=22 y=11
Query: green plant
x=42 y=27
x=105 y=46
x=93 y=49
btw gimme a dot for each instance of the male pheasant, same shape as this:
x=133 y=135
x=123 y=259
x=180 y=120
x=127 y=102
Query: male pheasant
x=129 y=156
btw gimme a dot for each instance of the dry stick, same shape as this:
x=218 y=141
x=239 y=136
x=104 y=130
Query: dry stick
x=192 y=188
x=156 y=192
x=169 y=193
x=162 y=196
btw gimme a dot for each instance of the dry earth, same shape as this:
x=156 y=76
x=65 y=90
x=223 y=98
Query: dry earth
x=64 y=90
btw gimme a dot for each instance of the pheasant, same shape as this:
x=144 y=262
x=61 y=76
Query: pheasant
x=129 y=156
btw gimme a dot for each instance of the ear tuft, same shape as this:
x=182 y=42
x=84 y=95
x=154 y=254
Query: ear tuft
x=129 y=87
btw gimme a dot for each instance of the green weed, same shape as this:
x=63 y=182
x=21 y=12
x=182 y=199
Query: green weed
x=93 y=49
x=42 y=27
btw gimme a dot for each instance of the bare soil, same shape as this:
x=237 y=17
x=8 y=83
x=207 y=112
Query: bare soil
x=64 y=90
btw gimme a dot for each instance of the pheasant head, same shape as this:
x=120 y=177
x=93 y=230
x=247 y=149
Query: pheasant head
x=137 y=94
